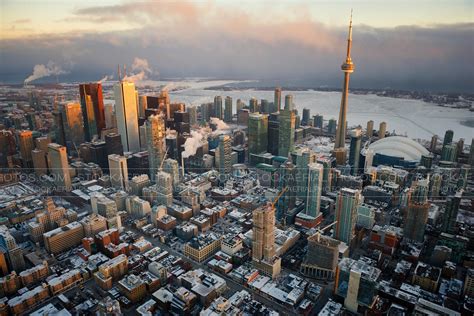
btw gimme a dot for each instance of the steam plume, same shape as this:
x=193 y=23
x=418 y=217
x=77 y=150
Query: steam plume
x=41 y=71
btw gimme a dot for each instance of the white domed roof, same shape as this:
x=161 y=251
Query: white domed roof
x=398 y=146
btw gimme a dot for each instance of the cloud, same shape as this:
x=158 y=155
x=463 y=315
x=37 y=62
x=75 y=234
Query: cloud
x=200 y=39
x=41 y=70
x=21 y=21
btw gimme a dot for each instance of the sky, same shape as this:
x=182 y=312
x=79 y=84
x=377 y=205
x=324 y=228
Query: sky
x=395 y=43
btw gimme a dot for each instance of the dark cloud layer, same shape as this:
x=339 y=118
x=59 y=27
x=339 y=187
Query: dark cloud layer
x=180 y=44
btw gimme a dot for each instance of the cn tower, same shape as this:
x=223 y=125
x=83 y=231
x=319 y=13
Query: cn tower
x=348 y=68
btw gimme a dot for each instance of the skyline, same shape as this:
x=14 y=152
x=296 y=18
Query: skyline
x=256 y=41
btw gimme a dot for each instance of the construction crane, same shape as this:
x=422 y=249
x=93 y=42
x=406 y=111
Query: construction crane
x=279 y=196
x=319 y=231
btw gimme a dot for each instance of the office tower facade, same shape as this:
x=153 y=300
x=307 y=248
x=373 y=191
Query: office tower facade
x=113 y=144
x=327 y=175
x=451 y=212
x=118 y=172
x=354 y=152
x=25 y=142
x=322 y=257
x=258 y=133
x=142 y=105
x=39 y=162
x=434 y=143
x=263 y=242
x=14 y=254
x=347 y=202
x=286 y=136
x=110 y=119
x=287 y=180
x=416 y=214
x=306 y=117
x=273 y=132
x=92 y=104
x=253 y=105
x=164 y=184
x=382 y=129
x=218 y=107
x=7 y=147
x=315 y=184
x=225 y=154
x=192 y=110
x=370 y=128
x=277 y=100
x=348 y=68
x=228 y=109
x=156 y=139
x=318 y=121
x=448 y=137
x=127 y=116
x=471 y=153
x=73 y=124
x=59 y=167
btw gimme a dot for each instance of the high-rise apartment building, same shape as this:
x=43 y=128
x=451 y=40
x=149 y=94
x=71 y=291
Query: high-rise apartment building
x=451 y=212
x=347 y=202
x=25 y=142
x=273 y=132
x=218 y=111
x=228 y=109
x=127 y=115
x=306 y=117
x=382 y=129
x=315 y=184
x=92 y=104
x=416 y=214
x=448 y=137
x=354 y=151
x=277 y=100
x=224 y=151
x=370 y=128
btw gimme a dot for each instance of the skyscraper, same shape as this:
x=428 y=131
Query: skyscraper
x=318 y=121
x=171 y=166
x=265 y=106
x=354 y=152
x=286 y=136
x=92 y=104
x=289 y=105
x=416 y=214
x=164 y=184
x=253 y=105
x=225 y=154
x=192 y=110
x=218 y=106
x=382 y=129
x=118 y=172
x=263 y=243
x=228 y=109
x=73 y=124
x=370 y=128
x=348 y=68
x=315 y=184
x=127 y=116
x=273 y=132
x=277 y=100
x=306 y=117
x=347 y=202
x=25 y=142
x=451 y=212
x=156 y=134
x=448 y=137
x=59 y=167
x=287 y=179
x=302 y=158
x=258 y=133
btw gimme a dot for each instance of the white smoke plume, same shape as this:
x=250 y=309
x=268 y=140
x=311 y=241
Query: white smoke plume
x=220 y=124
x=199 y=136
x=41 y=71
x=141 y=70
x=194 y=142
x=106 y=78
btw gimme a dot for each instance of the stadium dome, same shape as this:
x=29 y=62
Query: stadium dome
x=398 y=146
